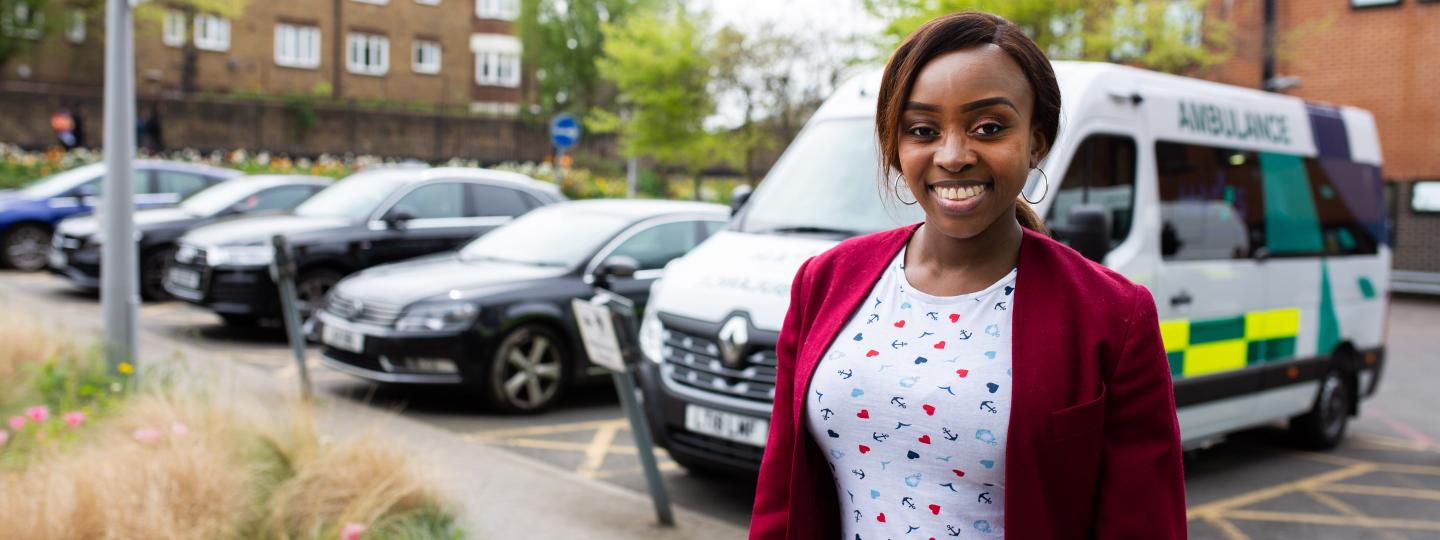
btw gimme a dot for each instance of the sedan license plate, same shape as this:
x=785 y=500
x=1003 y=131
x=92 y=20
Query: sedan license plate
x=342 y=338
x=732 y=427
x=57 y=259
x=185 y=277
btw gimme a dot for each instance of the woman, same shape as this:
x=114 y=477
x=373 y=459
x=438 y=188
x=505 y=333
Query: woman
x=968 y=376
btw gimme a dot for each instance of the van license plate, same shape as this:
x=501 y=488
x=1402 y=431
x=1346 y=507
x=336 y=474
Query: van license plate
x=732 y=427
x=342 y=338
x=186 y=278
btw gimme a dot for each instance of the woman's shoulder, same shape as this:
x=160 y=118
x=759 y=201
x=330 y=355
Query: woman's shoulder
x=861 y=252
x=1065 y=272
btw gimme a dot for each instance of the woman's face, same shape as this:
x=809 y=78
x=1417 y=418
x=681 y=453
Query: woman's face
x=966 y=141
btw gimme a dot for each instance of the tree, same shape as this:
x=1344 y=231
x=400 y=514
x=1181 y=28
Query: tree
x=1165 y=35
x=22 y=24
x=660 y=67
x=564 y=42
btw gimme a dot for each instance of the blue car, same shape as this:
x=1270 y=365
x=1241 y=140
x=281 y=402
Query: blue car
x=28 y=215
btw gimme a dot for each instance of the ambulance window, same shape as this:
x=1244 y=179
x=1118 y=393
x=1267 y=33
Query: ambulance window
x=1349 y=205
x=1101 y=173
x=1211 y=202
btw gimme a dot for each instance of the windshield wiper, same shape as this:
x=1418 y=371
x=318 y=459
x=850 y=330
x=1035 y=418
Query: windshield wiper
x=808 y=229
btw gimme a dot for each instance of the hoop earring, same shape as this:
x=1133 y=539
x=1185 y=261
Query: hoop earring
x=1047 y=188
x=899 y=180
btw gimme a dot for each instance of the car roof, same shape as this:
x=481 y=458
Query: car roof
x=492 y=175
x=198 y=168
x=268 y=180
x=640 y=209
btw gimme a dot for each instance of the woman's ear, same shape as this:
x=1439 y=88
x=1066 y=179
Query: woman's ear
x=1039 y=147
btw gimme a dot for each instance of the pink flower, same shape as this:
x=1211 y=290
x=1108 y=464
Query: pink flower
x=38 y=413
x=74 y=418
x=179 y=430
x=4 y=437
x=146 y=435
x=17 y=423
x=352 y=531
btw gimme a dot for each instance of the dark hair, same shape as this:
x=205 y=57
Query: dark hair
x=954 y=32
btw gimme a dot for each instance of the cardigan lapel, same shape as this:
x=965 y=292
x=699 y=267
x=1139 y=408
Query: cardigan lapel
x=1028 y=337
x=841 y=298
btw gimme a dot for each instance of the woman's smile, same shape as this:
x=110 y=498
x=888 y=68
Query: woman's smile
x=959 y=197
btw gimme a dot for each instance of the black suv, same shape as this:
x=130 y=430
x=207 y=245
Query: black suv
x=368 y=218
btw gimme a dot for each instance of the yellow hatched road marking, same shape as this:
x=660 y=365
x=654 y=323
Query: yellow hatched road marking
x=1322 y=519
x=1345 y=509
x=1382 y=491
x=564 y=446
x=532 y=431
x=1214 y=357
x=1225 y=506
x=596 y=452
x=1226 y=528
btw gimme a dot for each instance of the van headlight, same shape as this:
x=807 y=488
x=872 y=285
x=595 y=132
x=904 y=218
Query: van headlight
x=652 y=337
x=246 y=255
x=439 y=317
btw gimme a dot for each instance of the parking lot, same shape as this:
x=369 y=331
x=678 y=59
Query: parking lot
x=1384 y=482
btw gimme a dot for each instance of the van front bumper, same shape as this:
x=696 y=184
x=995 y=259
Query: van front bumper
x=665 y=404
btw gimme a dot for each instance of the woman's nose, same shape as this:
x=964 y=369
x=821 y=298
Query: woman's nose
x=954 y=153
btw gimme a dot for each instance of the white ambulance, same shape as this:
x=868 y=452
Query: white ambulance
x=1256 y=220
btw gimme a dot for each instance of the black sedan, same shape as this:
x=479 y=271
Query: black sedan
x=368 y=218
x=75 y=251
x=496 y=315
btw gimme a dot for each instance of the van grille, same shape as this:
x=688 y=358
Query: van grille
x=368 y=311
x=695 y=361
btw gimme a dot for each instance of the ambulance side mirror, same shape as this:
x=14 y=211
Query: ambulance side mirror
x=1088 y=231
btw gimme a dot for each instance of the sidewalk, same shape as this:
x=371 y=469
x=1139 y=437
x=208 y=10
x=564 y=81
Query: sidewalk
x=495 y=493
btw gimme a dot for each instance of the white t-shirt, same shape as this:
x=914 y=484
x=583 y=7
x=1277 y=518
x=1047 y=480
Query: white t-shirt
x=911 y=408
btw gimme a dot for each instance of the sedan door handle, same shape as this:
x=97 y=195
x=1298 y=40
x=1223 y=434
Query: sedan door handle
x=1180 y=299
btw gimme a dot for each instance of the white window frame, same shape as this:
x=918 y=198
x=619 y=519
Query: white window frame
x=75 y=26
x=212 y=33
x=23 y=23
x=297 y=46
x=497 y=60
x=432 y=67
x=428 y=2
x=375 y=2
x=505 y=10
x=173 y=31
x=376 y=45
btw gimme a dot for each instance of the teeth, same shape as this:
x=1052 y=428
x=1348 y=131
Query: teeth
x=959 y=193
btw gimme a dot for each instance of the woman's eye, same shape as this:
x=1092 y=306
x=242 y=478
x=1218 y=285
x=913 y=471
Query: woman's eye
x=989 y=129
x=922 y=132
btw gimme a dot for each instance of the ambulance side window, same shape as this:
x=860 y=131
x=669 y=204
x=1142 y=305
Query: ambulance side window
x=1211 y=202
x=1101 y=173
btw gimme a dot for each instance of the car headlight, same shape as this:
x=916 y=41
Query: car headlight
x=652 y=336
x=442 y=317
x=247 y=255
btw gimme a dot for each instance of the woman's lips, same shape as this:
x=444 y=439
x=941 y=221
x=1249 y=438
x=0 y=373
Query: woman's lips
x=958 y=198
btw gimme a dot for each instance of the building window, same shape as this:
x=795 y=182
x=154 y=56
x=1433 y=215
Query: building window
x=428 y=2
x=506 y=10
x=425 y=56
x=23 y=21
x=368 y=54
x=75 y=27
x=376 y=2
x=1373 y=3
x=297 y=46
x=174 y=31
x=497 y=60
x=212 y=33
x=1425 y=197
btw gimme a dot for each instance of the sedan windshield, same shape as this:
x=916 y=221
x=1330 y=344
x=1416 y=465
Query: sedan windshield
x=57 y=184
x=353 y=198
x=827 y=183
x=559 y=236
x=217 y=198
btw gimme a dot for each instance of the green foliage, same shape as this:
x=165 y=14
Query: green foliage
x=661 y=67
x=42 y=18
x=1164 y=35
x=302 y=115
x=565 y=43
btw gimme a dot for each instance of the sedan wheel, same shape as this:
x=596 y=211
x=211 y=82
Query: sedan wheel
x=152 y=275
x=528 y=371
x=25 y=247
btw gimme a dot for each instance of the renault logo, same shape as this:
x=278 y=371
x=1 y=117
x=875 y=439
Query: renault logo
x=734 y=336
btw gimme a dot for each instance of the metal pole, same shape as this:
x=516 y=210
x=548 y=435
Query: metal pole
x=118 y=269
x=631 y=177
x=645 y=447
x=283 y=270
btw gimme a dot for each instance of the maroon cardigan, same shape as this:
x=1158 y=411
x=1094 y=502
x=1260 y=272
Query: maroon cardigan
x=1094 y=445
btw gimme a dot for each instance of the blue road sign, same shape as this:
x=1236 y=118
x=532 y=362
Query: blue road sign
x=564 y=131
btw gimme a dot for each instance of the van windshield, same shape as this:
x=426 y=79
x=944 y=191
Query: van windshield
x=827 y=183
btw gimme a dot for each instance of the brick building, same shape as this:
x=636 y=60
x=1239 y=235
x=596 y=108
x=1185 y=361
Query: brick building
x=431 y=52
x=1376 y=54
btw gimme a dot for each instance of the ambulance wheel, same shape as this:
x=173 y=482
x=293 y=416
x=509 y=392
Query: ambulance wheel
x=1324 y=426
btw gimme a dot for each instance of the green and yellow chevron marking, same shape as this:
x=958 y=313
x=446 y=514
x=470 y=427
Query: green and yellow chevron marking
x=1203 y=347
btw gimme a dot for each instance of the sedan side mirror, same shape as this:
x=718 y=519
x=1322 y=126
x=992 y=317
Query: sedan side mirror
x=618 y=266
x=1088 y=231
x=738 y=197
x=397 y=218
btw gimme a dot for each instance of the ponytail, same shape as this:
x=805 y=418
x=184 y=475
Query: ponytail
x=1027 y=217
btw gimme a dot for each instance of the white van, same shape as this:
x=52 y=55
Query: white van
x=1256 y=220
